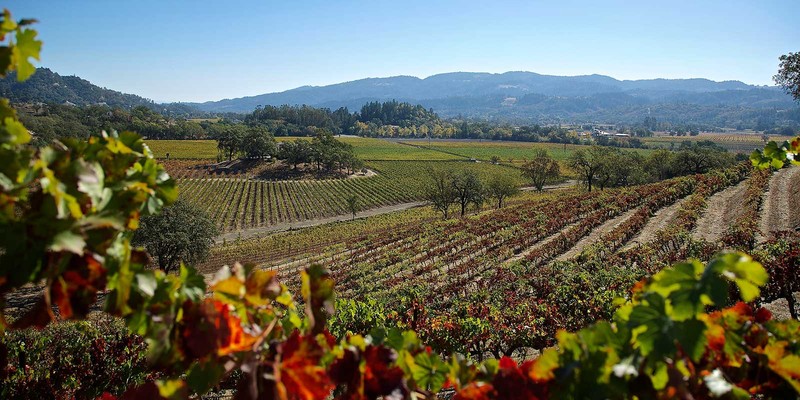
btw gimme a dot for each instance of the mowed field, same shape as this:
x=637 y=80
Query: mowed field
x=184 y=149
x=509 y=153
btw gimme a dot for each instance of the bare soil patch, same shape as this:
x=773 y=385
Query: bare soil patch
x=595 y=235
x=780 y=212
x=660 y=220
x=721 y=210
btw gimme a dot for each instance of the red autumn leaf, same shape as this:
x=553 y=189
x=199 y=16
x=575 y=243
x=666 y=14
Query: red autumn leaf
x=380 y=377
x=76 y=289
x=148 y=391
x=298 y=374
x=210 y=328
x=763 y=315
x=476 y=391
x=513 y=382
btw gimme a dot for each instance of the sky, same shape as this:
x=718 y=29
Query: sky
x=209 y=50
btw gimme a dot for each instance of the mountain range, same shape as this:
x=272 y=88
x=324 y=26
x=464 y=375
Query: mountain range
x=518 y=97
x=469 y=84
x=527 y=97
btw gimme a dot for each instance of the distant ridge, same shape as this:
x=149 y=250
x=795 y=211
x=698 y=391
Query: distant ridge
x=46 y=86
x=516 y=97
x=472 y=84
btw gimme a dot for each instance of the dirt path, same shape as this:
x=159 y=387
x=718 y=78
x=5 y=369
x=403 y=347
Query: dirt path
x=562 y=185
x=660 y=220
x=595 y=235
x=251 y=232
x=721 y=210
x=779 y=211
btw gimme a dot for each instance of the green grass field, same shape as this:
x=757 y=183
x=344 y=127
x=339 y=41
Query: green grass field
x=385 y=150
x=201 y=149
x=516 y=151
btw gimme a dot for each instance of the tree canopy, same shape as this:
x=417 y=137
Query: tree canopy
x=788 y=74
x=181 y=233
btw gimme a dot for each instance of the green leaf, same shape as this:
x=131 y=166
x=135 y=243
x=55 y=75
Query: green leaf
x=429 y=371
x=146 y=283
x=691 y=336
x=194 y=285
x=172 y=389
x=16 y=132
x=90 y=180
x=740 y=268
x=68 y=241
x=6 y=183
x=26 y=47
x=8 y=24
x=204 y=376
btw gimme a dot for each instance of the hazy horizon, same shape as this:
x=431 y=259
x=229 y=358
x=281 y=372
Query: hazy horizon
x=206 y=51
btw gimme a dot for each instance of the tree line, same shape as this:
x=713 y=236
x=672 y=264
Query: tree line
x=256 y=142
x=605 y=167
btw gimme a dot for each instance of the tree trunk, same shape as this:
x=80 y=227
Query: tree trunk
x=792 y=310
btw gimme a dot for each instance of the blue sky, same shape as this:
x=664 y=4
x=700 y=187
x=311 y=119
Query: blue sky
x=209 y=50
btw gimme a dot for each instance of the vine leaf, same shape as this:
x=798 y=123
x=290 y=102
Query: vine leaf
x=27 y=46
x=299 y=372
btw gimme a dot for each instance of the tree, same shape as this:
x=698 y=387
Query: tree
x=440 y=191
x=180 y=233
x=788 y=74
x=468 y=190
x=541 y=169
x=295 y=152
x=659 y=164
x=699 y=158
x=585 y=165
x=501 y=187
x=229 y=138
x=353 y=205
x=259 y=143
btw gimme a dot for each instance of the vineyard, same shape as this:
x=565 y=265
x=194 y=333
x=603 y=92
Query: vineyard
x=733 y=142
x=236 y=204
x=547 y=262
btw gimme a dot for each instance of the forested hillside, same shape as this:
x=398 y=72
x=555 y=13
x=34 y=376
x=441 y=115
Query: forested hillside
x=46 y=86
